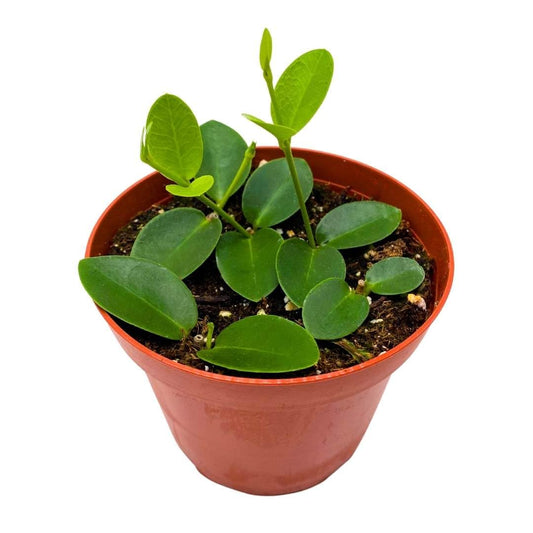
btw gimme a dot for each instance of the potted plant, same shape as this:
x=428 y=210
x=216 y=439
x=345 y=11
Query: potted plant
x=260 y=426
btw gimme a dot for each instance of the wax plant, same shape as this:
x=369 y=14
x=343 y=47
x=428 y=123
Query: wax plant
x=211 y=163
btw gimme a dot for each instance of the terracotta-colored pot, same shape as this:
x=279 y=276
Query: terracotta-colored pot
x=275 y=436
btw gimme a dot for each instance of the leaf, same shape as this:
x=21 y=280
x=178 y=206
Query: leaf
x=141 y=293
x=248 y=265
x=269 y=196
x=264 y=343
x=301 y=267
x=358 y=224
x=196 y=188
x=333 y=310
x=302 y=87
x=172 y=141
x=180 y=239
x=224 y=150
x=265 y=51
x=394 y=275
x=282 y=133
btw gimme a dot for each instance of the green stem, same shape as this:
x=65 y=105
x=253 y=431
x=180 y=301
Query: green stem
x=209 y=338
x=270 y=84
x=286 y=147
x=248 y=156
x=222 y=214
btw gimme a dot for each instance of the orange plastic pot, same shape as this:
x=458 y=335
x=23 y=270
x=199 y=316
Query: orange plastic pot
x=275 y=436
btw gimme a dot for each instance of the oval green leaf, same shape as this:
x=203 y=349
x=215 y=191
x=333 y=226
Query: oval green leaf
x=141 y=293
x=282 y=133
x=172 y=140
x=224 y=151
x=269 y=196
x=248 y=265
x=333 y=310
x=265 y=344
x=196 y=188
x=358 y=224
x=180 y=239
x=394 y=275
x=302 y=87
x=301 y=267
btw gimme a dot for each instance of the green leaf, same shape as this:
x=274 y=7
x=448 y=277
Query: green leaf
x=141 y=293
x=197 y=187
x=264 y=343
x=265 y=51
x=394 y=275
x=172 y=141
x=224 y=150
x=301 y=267
x=358 y=224
x=248 y=265
x=269 y=196
x=301 y=89
x=180 y=239
x=282 y=133
x=333 y=310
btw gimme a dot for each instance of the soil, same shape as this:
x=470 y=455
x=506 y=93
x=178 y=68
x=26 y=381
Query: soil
x=391 y=320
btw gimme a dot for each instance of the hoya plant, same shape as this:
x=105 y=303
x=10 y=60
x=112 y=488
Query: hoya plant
x=211 y=163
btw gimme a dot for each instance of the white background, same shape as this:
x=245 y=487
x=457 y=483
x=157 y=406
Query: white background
x=437 y=94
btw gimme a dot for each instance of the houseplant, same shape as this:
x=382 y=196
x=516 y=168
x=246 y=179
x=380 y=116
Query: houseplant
x=266 y=435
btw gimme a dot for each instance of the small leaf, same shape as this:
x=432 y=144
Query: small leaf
x=264 y=343
x=358 y=224
x=394 y=275
x=172 y=140
x=224 y=150
x=301 y=267
x=269 y=196
x=180 y=239
x=141 y=293
x=197 y=187
x=248 y=265
x=265 y=51
x=302 y=87
x=282 y=133
x=332 y=310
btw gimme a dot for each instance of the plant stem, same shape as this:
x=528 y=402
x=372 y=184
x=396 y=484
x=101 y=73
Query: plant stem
x=222 y=214
x=267 y=74
x=286 y=147
x=248 y=156
x=209 y=338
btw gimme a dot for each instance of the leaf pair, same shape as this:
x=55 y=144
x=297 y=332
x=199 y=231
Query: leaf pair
x=332 y=309
x=182 y=151
x=248 y=265
x=299 y=92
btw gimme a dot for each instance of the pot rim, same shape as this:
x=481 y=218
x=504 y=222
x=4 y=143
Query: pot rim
x=298 y=380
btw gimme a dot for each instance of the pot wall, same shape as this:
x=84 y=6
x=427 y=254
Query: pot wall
x=277 y=436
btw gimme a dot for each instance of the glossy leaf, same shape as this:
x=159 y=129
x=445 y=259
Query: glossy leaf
x=357 y=224
x=301 y=267
x=394 y=275
x=302 y=87
x=180 y=239
x=282 y=133
x=141 y=293
x=224 y=150
x=269 y=197
x=264 y=343
x=172 y=142
x=196 y=188
x=333 y=310
x=248 y=265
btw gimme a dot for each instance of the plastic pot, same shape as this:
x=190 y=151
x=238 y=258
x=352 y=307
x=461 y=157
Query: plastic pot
x=276 y=436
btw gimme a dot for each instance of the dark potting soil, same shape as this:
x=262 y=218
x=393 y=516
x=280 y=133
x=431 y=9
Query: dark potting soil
x=391 y=320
